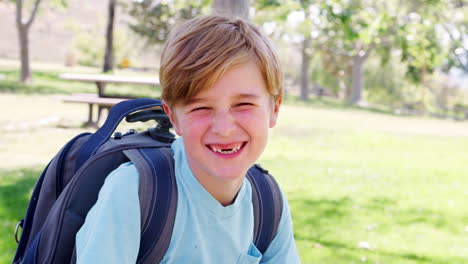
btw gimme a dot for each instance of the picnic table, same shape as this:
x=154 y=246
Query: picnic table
x=100 y=98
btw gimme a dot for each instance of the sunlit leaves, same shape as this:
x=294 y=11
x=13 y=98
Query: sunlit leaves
x=154 y=19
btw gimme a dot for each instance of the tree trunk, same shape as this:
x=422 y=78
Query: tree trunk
x=23 y=30
x=306 y=56
x=357 y=80
x=238 y=8
x=357 y=77
x=109 y=54
x=347 y=87
x=23 y=27
x=25 y=75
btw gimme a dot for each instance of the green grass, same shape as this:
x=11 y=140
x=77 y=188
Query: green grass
x=48 y=82
x=353 y=178
x=15 y=189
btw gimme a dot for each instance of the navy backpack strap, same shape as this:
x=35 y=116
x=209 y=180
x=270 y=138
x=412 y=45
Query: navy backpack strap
x=267 y=205
x=116 y=114
x=158 y=200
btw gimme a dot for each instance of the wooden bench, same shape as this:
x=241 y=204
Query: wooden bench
x=93 y=99
x=101 y=99
x=101 y=80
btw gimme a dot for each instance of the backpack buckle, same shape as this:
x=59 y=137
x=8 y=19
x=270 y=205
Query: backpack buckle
x=18 y=225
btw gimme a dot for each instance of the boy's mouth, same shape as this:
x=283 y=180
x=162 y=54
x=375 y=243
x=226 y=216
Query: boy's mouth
x=227 y=149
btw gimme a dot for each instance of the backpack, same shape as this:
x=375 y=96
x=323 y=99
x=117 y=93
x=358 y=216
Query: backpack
x=69 y=186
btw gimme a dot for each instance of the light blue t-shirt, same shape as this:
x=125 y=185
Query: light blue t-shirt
x=204 y=230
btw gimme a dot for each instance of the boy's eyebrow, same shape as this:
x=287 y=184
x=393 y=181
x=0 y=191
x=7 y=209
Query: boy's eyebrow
x=195 y=100
x=248 y=96
x=239 y=96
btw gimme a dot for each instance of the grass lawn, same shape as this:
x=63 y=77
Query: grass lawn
x=373 y=188
x=363 y=187
x=47 y=81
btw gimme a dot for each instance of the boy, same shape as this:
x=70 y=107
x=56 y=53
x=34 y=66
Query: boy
x=221 y=88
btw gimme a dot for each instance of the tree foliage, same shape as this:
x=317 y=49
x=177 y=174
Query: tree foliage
x=455 y=26
x=153 y=19
x=427 y=34
x=339 y=36
x=418 y=39
x=238 y=8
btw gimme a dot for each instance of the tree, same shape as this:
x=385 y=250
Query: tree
x=233 y=7
x=455 y=24
x=355 y=29
x=23 y=25
x=433 y=37
x=109 y=53
x=305 y=67
x=305 y=28
x=153 y=19
x=277 y=13
x=344 y=29
x=347 y=33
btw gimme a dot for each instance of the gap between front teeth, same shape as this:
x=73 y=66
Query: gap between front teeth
x=227 y=151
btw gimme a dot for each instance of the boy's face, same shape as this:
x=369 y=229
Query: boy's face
x=225 y=127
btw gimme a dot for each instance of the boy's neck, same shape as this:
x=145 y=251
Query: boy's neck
x=224 y=192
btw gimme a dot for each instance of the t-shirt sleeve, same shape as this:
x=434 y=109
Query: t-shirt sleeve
x=283 y=248
x=111 y=231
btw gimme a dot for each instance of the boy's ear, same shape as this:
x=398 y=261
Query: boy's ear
x=172 y=117
x=274 y=114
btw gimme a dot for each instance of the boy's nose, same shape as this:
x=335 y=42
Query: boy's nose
x=223 y=124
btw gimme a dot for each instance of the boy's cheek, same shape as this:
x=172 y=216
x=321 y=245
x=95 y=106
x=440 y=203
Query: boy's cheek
x=262 y=116
x=188 y=127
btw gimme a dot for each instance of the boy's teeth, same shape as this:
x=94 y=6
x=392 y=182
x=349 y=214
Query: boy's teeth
x=226 y=151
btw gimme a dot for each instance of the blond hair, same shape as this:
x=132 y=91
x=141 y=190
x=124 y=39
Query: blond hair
x=198 y=51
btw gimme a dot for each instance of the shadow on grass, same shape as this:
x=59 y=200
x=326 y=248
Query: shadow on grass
x=432 y=218
x=352 y=254
x=413 y=216
x=316 y=221
x=317 y=214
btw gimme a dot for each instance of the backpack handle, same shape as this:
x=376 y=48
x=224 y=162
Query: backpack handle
x=116 y=114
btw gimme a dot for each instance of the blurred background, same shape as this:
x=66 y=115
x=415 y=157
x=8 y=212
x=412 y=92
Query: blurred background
x=371 y=144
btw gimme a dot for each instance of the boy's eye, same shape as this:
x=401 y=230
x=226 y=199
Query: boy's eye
x=244 y=104
x=199 y=109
